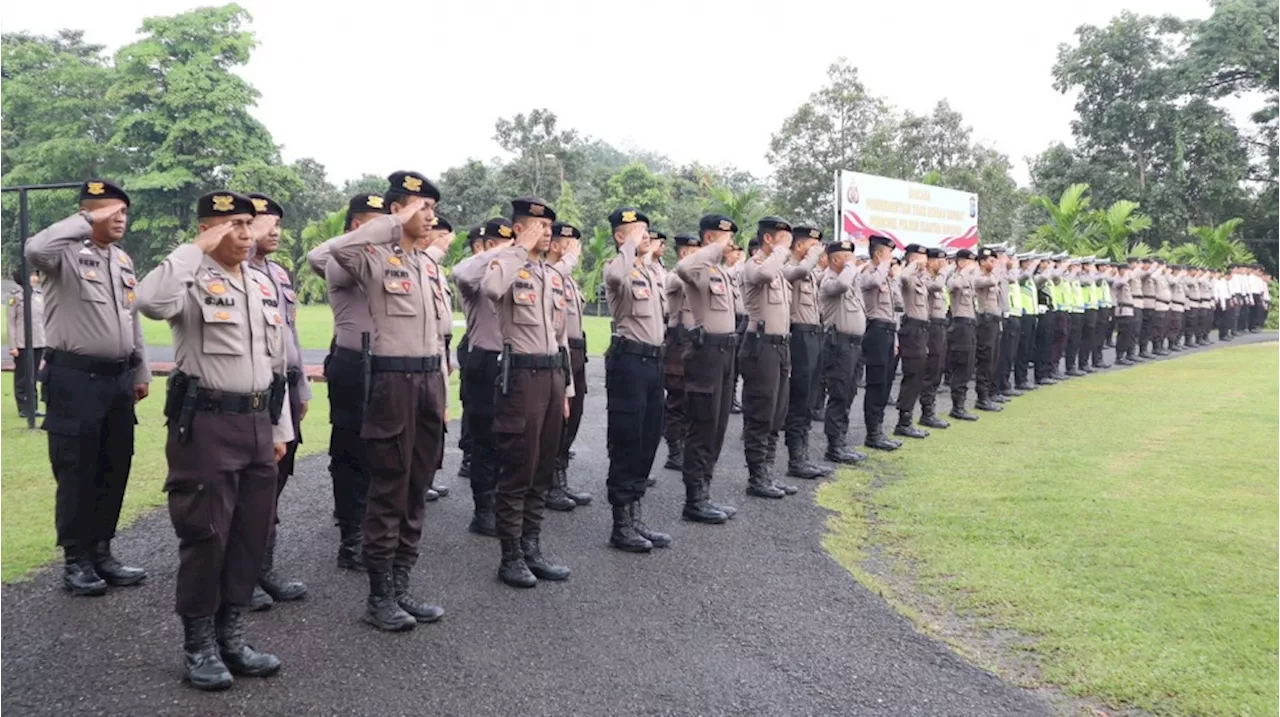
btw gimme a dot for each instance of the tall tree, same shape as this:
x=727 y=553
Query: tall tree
x=1069 y=227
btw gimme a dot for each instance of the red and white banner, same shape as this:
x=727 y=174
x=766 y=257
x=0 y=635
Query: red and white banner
x=906 y=212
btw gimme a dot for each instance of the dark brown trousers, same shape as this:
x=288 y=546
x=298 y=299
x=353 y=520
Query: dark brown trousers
x=709 y=375
x=222 y=502
x=578 y=362
x=676 y=420
x=527 y=424
x=403 y=432
x=766 y=392
x=934 y=364
x=913 y=347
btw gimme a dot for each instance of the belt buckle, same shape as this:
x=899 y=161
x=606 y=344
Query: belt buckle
x=256 y=401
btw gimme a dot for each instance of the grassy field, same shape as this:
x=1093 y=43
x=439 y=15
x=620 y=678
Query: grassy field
x=1124 y=524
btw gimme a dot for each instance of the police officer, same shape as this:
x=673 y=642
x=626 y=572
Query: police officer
x=345 y=379
x=534 y=391
x=845 y=322
x=1151 y=321
x=987 y=335
x=440 y=235
x=913 y=338
x=801 y=272
x=1126 y=313
x=734 y=257
x=962 y=338
x=877 y=345
x=481 y=371
x=563 y=255
x=1026 y=352
x=765 y=355
x=1046 y=320
x=1177 y=306
x=266 y=235
x=708 y=366
x=936 y=271
x=679 y=325
x=405 y=413
x=229 y=426
x=1011 y=330
x=96 y=371
x=634 y=376
x=1089 y=313
x=15 y=313
x=475 y=242
x=1102 y=323
x=1075 y=316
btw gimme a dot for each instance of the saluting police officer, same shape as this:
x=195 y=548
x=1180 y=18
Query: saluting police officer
x=708 y=366
x=228 y=428
x=266 y=235
x=734 y=261
x=566 y=248
x=877 y=345
x=405 y=412
x=846 y=324
x=679 y=325
x=15 y=313
x=345 y=379
x=801 y=272
x=481 y=372
x=913 y=338
x=475 y=242
x=961 y=338
x=96 y=371
x=935 y=277
x=439 y=235
x=634 y=376
x=534 y=391
x=987 y=335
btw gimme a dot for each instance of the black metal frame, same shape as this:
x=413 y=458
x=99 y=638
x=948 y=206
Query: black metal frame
x=25 y=228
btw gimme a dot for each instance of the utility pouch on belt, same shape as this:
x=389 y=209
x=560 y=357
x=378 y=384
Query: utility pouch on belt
x=293 y=375
x=697 y=337
x=756 y=340
x=564 y=365
x=180 y=403
x=366 y=367
x=275 y=404
x=504 y=369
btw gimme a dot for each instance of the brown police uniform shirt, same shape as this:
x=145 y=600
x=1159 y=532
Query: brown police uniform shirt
x=960 y=284
x=573 y=300
x=766 y=293
x=350 y=307
x=529 y=296
x=841 y=301
x=1177 y=294
x=90 y=294
x=1148 y=288
x=225 y=331
x=708 y=289
x=735 y=282
x=405 y=308
x=635 y=297
x=484 y=333
x=679 y=310
x=287 y=303
x=877 y=293
x=936 y=284
x=987 y=288
x=1122 y=295
x=915 y=290
x=1163 y=294
x=802 y=275
x=15 y=314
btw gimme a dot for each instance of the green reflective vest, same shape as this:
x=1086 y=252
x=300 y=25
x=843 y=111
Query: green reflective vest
x=1077 y=297
x=1029 y=298
x=1090 y=300
x=1106 y=293
x=1055 y=293
x=1015 y=299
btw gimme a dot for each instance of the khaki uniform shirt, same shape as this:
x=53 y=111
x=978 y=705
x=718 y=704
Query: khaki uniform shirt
x=346 y=298
x=573 y=300
x=707 y=289
x=16 y=316
x=1148 y=289
x=766 y=294
x=987 y=287
x=960 y=284
x=403 y=303
x=915 y=290
x=89 y=295
x=842 y=309
x=877 y=295
x=681 y=311
x=936 y=284
x=224 y=330
x=287 y=303
x=735 y=281
x=484 y=332
x=1122 y=295
x=1177 y=294
x=1163 y=294
x=635 y=297
x=803 y=278
x=529 y=297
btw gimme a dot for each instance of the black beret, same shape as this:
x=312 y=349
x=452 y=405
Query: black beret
x=532 y=207
x=475 y=233
x=773 y=224
x=439 y=223
x=806 y=232
x=657 y=235
x=933 y=252
x=716 y=222
x=916 y=249
x=224 y=204
x=262 y=204
x=102 y=189
x=838 y=246
x=985 y=252
x=413 y=184
x=753 y=245
x=1134 y=259
x=626 y=215
x=368 y=204
x=688 y=240
x=876 y=239
x=563 y=230
x=498 y=228
x=965 y=254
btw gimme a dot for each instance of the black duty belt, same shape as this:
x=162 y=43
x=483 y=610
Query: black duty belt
x=881 y=324
x=579 y=344
x=720 y=339
x=909 y=322
x=739 y=318
x=226 y=402
x=536 y=361
x=677 y=333
x=405 y=364
x=625 y=345
x=348 y=355
x=963 y=320
x=991 y=317
x=90 y=364
x=1179 y=303
x=1126 y=306
x=841 y=337
x=771 y=339
x=806 y=329
x=940 y=322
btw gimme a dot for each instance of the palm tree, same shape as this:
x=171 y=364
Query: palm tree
x=744 y=208
x=1216 y=249
x=1070 y=226
x=1114 y=227
x=595 y=254
x=311 y=287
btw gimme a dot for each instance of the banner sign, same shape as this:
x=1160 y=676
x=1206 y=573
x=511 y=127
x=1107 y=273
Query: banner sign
x=906 y=212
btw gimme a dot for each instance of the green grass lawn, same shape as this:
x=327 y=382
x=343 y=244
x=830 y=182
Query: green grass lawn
x=1125 y=523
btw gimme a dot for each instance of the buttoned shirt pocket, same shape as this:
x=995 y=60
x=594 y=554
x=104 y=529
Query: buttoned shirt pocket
x=806 y=293
x=720 y=293
x=128 y=282
x=398 y=293
x=94 y=284
x=524 y=306
x=274 y=330
x=774 y=292
x=641 y=298
x=221 y=331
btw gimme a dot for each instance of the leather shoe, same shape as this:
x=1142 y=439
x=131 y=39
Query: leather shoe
x=961 y=414
x=539 y=565
x=999 y=398
x=1075 y=372
x=879 y=442
x=441 y=491
x=1013 y=392
x=761 y=488
x=110 y=569
x=513 y=570
x=79 y=576
x=786 y=488
x=932 y=421
x=843 y=455
x=988 y=406
x=807 y=470
x=702 y=512
x=1026 y=387
x=238 y=655
x=909 y=431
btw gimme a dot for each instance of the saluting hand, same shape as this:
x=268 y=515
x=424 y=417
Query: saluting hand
x=572 y=246
x=210 y=238
x=278 y=451
x=102 y=214
x=530 y=234
x=141 y=391
x=408 y=210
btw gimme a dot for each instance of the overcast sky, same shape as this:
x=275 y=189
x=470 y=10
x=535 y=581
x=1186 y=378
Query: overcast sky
x=693 y=79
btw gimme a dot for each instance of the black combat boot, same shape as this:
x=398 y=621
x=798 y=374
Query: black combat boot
x=625 y=537
x=770 y=460
x=238 y=655
x=381 y=609
x=110 y=569
x=484 y=521
x=1124 y=361
x=904 y=427
x=877 y=440
x=557 y=498
x=350 y=550
x=441 y=490
x=431 y=496
x=931 y=420
x=728 y=510
x=1145 y=354
x=261 y=600
x=1074 y=372
x=818 y=414
x=78 y=574
x=541 y=566
x=998 y=398
x=420 y=611
x=839 y=452
x=659 y=540
x=986 y=404
x=203 y=666
x=513 y=571
x=579 y=497
x=759 y=485
x=280 y=589
x=1013 y=392
x=696 y=507
x=464 y=468
x=799 y=465
x=675 y=456
x=960 y=414
x=1024 y=386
